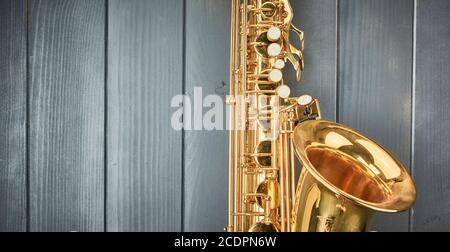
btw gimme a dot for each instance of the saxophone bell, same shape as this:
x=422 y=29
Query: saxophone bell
x=346 y=178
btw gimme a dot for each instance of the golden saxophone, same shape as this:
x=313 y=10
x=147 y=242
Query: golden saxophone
x=345 y=178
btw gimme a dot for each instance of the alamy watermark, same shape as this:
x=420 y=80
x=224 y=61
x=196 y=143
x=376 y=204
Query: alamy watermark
x=196 y=112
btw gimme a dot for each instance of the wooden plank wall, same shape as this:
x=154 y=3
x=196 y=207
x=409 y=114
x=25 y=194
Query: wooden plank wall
x=13 y=104
x=431 y=166
x=145 y=61
x=375 y=78
x=66 y=115
x=319 y=20
x=206 y=158
x=85 y=106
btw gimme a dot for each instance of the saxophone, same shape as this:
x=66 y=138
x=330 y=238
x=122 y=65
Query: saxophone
x=344 y=177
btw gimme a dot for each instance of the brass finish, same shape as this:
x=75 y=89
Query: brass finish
x=256 y=181
x=265 y=227
x=271 y=188
x=346 y=176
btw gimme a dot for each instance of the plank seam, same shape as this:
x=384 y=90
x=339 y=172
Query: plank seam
x=183 y=133
x=413 y=105
x=105 y=144
x=27 y=117
x=337 y=78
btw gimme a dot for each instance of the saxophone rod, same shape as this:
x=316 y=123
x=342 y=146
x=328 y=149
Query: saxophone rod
x=242 y=88
x=291 y=151
x=231 y=132
x=282 y=178
x=287 y=182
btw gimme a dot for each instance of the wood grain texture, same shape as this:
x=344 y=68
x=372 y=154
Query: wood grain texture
x=375 y=79
x=206 y=158
x=318 y=19
x=432 y=117
x=67 y=115
x=145 y=69
x=13 y=196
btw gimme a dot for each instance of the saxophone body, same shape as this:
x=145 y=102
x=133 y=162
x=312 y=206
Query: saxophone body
x=345 y=176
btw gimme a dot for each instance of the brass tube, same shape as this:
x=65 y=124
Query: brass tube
x=287 y=182
x=236 y=192
x=292 y=161
x=293 y=175
x=243 y=89
x=231 y=132
x=282 y=175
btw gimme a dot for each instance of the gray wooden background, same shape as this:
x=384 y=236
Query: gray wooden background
x=86 y=85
